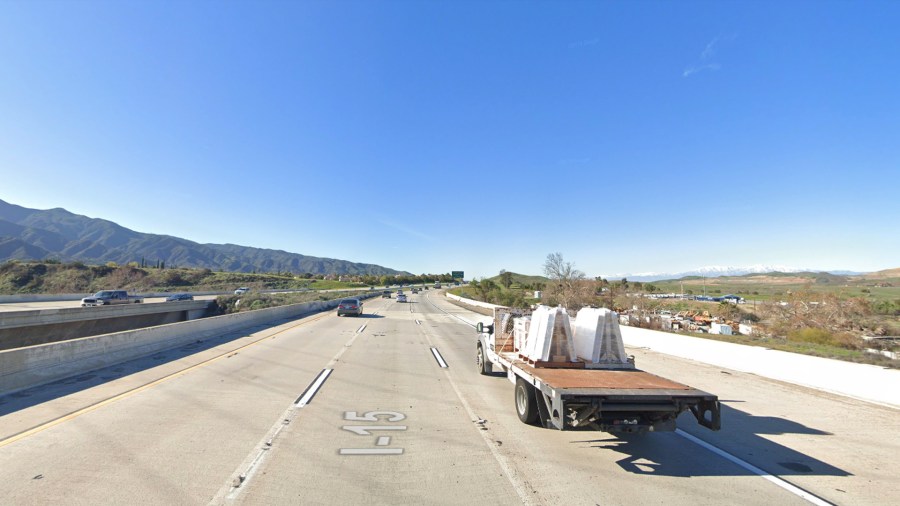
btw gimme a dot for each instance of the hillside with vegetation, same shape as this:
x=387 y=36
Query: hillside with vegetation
x=33 y=234
x=506 y=289
x=50 y=277
x=879 y=286
x=814 y=313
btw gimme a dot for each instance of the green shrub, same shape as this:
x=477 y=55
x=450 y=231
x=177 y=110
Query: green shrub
x=812 y=335
x=849 y=341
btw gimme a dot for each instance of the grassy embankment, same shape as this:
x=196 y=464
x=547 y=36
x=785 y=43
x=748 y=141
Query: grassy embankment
x=776 y=286
x=55 y=278
x=256 y=300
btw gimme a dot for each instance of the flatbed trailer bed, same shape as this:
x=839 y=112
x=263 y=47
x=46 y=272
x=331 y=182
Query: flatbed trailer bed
x=611 y=400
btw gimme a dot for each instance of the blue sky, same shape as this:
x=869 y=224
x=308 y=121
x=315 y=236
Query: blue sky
x=475 y=136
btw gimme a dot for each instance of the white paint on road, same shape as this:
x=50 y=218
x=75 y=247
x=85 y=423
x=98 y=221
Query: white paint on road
x=521 y=487
x=439 y=358
x=314 y=387
x=363 y=430
x=231 y=492
x=467 y=322
x=755 y=470
x=371 y=451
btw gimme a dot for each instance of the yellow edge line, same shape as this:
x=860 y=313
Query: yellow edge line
x=136 y=390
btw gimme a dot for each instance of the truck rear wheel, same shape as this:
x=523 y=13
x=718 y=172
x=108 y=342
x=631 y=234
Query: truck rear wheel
x=484 y=365
x=526 y=402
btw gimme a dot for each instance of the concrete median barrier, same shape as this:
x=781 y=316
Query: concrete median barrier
x=35 y=365
x=29 y=328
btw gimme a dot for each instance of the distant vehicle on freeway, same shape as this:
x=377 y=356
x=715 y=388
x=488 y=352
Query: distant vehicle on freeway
x=401 y=298
x=386 y=294
x=350 y=306
x=415 y=290
x=179 y=296
x=241 y=291
x=110 y=297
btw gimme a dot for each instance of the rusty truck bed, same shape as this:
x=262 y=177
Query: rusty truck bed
x=625 y=379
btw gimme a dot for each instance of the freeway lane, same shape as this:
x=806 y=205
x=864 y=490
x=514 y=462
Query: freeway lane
x=184 y=440
x=327 y=456
x=838 y=448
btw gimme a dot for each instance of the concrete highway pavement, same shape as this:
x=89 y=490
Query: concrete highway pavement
x=389 y=425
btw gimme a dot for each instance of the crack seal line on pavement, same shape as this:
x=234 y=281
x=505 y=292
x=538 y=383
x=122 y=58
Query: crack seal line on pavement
x=519 y=485
x=253 y=462
x=128 y=393
x=467 y=322
x=755 y=470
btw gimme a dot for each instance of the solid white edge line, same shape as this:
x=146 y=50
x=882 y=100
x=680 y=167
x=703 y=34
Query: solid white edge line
x=313 y=388
x=427 y=297
x=438 y=357
x=755 y=470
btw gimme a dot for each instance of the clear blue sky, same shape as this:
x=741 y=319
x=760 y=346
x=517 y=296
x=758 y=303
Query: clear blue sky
x=476 y=136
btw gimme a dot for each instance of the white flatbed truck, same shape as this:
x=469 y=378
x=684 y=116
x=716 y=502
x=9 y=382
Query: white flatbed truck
x=566 y=395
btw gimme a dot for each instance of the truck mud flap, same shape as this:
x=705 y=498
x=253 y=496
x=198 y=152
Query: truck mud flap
x=708 y=414
x=543 y=405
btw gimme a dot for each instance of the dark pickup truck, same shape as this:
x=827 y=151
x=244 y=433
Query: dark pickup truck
x=110 y=297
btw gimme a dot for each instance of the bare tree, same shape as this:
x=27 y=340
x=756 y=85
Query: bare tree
x=567 y=284
x=557 y=269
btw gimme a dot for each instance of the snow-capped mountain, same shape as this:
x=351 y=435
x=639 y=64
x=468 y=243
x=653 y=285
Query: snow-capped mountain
x=712 y=271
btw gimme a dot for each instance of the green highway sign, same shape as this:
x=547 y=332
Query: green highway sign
x=457 y=274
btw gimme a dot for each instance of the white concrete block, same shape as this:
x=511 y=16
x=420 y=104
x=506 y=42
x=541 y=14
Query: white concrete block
x=598 y=339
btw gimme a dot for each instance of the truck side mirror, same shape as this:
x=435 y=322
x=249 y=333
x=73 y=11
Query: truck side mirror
x=480 y=327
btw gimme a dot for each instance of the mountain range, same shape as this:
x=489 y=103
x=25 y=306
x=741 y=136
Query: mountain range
x=713 y=271
x=33 y=234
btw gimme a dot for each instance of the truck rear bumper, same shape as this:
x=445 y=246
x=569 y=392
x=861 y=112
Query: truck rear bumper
x=628 y=415
x=615 y=401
